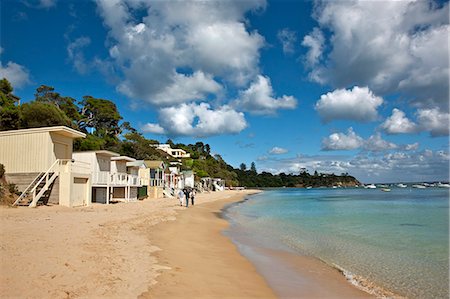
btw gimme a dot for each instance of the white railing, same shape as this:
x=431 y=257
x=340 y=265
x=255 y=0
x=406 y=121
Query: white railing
x=101 y=178
x=105 y=178
x=133 y=180
x=119 y=178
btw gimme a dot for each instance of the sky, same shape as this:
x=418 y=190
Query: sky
x=334 y=86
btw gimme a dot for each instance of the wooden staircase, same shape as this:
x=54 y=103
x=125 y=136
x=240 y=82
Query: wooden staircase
x=40 y=187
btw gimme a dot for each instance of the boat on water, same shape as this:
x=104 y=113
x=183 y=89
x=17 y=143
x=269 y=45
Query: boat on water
x=386 y=189
x=417 y=186
x=371 y=186
x=401 y=186
x=309 y=187
x=441 y=185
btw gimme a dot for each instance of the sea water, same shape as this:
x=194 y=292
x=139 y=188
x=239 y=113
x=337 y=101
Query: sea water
x=396 y=241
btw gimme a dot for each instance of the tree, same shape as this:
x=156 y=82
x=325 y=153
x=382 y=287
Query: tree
x=253 y=167
x=243 y=167
x=103 y=116
x=38 y=114
x=9 y=111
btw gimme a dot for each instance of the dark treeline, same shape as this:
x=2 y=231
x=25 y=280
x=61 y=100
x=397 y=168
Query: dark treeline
x=250 y=178
x=106 y=130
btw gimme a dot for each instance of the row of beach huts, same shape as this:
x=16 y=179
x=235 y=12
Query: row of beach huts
x=43 y=166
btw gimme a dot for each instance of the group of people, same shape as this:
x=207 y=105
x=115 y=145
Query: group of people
x=186 y=194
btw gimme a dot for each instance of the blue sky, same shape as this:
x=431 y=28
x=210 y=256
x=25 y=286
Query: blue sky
x=344 y=86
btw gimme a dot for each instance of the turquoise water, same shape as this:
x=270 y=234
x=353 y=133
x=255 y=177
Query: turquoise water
x=398 y=241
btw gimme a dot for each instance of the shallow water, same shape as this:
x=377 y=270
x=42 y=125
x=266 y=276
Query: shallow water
x=398 y=240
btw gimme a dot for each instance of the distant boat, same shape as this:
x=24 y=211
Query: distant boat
x=371 y=186
x=402 y=185
x=386 y=190
x=334 y=187
x=309 y=187
x=419 y=186
x=441 y=185
x=382 y=186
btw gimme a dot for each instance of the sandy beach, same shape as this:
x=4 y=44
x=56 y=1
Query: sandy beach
x=134 y=250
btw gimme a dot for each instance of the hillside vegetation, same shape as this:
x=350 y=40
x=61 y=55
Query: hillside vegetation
x=105 y=129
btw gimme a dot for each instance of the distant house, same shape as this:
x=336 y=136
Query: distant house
x=39 y=161
x=111 y=179
x=156 y=174
x=174 y=152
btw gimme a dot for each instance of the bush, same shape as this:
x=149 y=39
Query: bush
x=12 y=188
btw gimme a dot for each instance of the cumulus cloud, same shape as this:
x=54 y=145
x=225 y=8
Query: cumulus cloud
x=398 y=123
x=389 y=46
x=207 y=38
x=17 y=74
x=197 y=120
x=258 y=98
x=434 y=121
x=342 y=141
x=376 y=143
x=278 y=151
x=288 y=38
x=359 y=104
x=412 y=146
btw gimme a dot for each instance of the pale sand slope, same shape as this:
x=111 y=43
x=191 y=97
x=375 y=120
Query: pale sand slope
x=111 y=251
x=97 y=251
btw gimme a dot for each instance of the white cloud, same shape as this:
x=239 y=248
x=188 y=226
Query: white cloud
x=16 y=74
x=342 y=141
x=315 y=42
x=428 y=120
x=288 y=38
x=358 y=104
x=182 y=88
x=434 y=121
x=278 y=151
x=153 y=128
x=398 y=123
x=411 y=147
x=209 y=39
x=390 y=46
x=75 y=54
x=197 y=120
x=376 y=143
x=258 y=98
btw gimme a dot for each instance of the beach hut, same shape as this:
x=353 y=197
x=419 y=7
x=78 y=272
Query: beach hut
x=156 y=173
x=111 y=180
x=39 y=161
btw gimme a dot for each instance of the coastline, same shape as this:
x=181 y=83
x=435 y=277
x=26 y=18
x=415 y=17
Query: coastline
x=138 y=250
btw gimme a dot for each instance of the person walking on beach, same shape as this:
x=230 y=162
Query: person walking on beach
x=186 y=196
x=192 y=196
x=180 y=197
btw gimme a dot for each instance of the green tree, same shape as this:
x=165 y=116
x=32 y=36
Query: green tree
x=38 y=114
x=253 y=167
x=103 y=116
x=9 y=111
x=47 y=94
x=243 y=167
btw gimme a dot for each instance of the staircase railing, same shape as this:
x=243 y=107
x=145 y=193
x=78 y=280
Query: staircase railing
x=54 y=171
x=49 y=176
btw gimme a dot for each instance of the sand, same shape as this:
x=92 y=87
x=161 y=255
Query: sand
x=129 y=250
